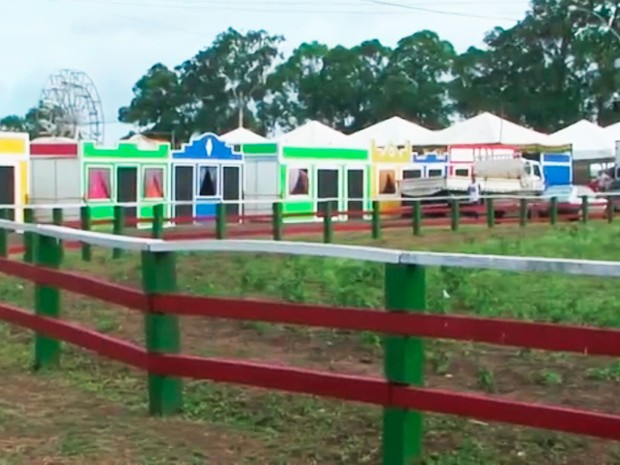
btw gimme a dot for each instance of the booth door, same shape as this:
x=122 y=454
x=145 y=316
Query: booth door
x=184 y=191
x=327 y=188
x=127 y=188
x=355 y=192
x=231 y=189
x=7 y=189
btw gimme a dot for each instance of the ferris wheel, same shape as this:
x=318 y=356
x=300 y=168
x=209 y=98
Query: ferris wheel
x=70 y=107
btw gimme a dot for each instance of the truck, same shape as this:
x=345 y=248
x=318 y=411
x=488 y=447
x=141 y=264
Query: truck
x=513 y=176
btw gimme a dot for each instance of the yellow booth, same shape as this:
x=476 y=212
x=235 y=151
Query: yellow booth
x=14 y=175
x=389 y=165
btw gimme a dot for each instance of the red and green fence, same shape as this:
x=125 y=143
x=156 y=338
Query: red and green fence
x=415 y=216
x=403 y=321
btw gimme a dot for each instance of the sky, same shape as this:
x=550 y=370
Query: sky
x=116 y=41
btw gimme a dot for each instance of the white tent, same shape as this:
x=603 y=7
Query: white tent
x=316 y=134
x=589 y=140
x=613 y=132
x=392 y=131
x=487 y=128
x=242 y=136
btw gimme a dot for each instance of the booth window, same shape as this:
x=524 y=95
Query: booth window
x=435 y=173
x=461 y=172
x=208 y=181
x=153 y=185
x=387 y=182
x=412 y=174
x=298 y=181
x=99 y=184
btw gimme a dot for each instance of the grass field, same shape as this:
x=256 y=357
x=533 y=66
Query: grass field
x=93 y=411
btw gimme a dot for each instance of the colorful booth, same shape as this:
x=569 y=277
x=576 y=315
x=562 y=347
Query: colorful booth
x=135 y=171
x=14 y=176
x=55 y=175
x=260 y=165
x=206 y=171
x=390 y=165
x=309 y=174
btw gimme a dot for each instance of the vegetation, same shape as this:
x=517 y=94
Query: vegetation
x=229 y=425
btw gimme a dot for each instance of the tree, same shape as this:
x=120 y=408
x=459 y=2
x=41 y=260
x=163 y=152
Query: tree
x=33 y=122
x=415 y=82
x=220 y=84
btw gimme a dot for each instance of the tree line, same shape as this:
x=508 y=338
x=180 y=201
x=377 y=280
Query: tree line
x=554 y=67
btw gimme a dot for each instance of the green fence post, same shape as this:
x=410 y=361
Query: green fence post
x=490 y=213
x=416 y=215
x=57 y=219
x=553 y=216
x=47 y=302
x=220 y=221
x=4 y=235
x=455 y=214
x=162 y=332
x=522 y=212
x=29 y=239
x=276 y=221
x=85 y=225
x=405 y=291
x=118 y=227
x=157 y=227
x=376 y=219
x=610 y=209
x=584 y=209
x=328 y=227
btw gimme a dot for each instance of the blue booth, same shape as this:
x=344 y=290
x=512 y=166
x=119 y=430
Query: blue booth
x=206 y=171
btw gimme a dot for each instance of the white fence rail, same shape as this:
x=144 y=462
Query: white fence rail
x=369 y=254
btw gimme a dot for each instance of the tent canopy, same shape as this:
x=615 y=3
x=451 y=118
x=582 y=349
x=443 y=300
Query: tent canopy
x=589 y=140
x=242 y=136
x=392 y=131
x=487 y=128
x=613 y=132
x=316 y=134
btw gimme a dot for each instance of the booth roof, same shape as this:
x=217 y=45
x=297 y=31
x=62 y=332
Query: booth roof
x=487 y=128
x=613 y=132
x=242 y=136
x=316 y=134
x=392 y=131
x=54 y=140
x=589 y=140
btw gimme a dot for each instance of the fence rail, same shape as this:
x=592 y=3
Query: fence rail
x=404 y=321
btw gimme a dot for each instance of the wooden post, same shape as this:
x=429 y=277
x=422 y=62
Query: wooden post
x=162 y=332
x=57 y=219
x=610 y=209
x=220 y=221
x=490 y=213
x=4 y=235
x=157 y=227
x=85 y=224
x=47 y=303
x=276 y=221
x=553 y=216
x=405 y=291
x=328 y=228
x=118 y=227
x=29 y=239
x=523 y=212
x=585 y=213
x=455 y=214
x=416 y=218
x=376 y=219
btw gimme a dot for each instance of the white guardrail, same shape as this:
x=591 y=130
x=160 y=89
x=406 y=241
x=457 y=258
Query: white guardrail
x=350 y=252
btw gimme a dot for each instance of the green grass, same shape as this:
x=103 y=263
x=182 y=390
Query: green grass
x=274 y=429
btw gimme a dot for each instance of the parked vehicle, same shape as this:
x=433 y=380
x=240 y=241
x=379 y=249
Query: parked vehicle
x=511 y=176
x=569 y=200
x=614 y=191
